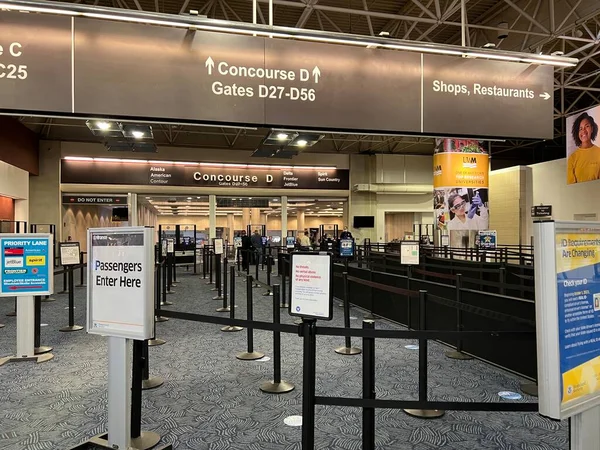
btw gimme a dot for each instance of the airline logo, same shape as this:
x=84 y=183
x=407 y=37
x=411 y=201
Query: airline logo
x=14 y=251
x=36 y=260
x=13 y=261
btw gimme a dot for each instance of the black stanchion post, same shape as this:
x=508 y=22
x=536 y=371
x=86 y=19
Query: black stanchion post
x=284 y=303
x=408 y=298
x=269 y=293
x=39 y=349
x=174 y=263
x=230 y=328
x=203 y=262
x=250 y=354
x=139 y=439
x=276 y=386
x=210 y=267
x=308 y=332
x=458 y=354
x=423 y=413
x=502 y=280
x=347 y=349
x=369 y=315
x=81 y=282
x=368 y=430
x=157 y=316
x=147 y=381
x=218 y=286
x=72 y=326
x=256 y=284
x=64 y=289
x=248 y=257
x=224 y=307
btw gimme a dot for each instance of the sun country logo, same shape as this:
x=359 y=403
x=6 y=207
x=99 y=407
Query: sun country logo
x=437 y=170
x=469 y=162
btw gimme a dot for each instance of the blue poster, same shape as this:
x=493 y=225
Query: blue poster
x=578 y=288
x=347 y=248
x=487 y=239
x=290 y=242
x=26 y=265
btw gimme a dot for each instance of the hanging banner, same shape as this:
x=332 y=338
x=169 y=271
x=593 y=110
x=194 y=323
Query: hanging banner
x=60 y=65
x=460 y=182
x=583 y=146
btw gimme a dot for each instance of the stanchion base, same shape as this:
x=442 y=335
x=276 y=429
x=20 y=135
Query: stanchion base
x=73 y=328
x=38 y=359
x=245 y=356
x=277 y=388
x=268 y=294
x=298 y=322
x=230 y=329
x=369 y=316
x=42 y=349
x=174 y=283
x=256 y=286
x=146 y=441
x=170 y=292
x=101 y=441
x=348 y=351
x=341 y=305
x=152 y=382
x=155 y=342
x=49 y=299
x=530 y=389
x=218 y=297
x=223 y=309
x=1 y=325
x=458 y=355
x=425 y=413
x=215 y=289
x=161 y=319
x=167 y=303
x=284 y=306
x=11 y=314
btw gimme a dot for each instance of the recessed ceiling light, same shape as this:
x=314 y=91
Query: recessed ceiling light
x=249 y=198
x=189 y=198
x=198 y=197
x=103 y=125
x=137 y=134
x=301 y=143
x=282 y=136
x=147 y=198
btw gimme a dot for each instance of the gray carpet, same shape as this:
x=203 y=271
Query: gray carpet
x=212 y=401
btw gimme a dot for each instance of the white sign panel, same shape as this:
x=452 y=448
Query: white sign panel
x=69 y=253
x=445 y=240
x=312 y=290
x=409 y=253
x=218 y=246
x=170 y=245
x=120 y=288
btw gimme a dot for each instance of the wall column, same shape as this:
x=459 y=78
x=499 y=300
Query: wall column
x=299 y=221
x=255 y=218
x=132 y=206
x=230 y=227
x=245 y=217
x=212 y=217
x=284 y=219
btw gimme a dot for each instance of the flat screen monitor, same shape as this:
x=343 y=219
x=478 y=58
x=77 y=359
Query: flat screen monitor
x=364 y=222
x=120 y=214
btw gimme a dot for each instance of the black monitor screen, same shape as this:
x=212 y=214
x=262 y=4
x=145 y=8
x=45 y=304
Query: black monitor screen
x=120 y=214
x=364 y=222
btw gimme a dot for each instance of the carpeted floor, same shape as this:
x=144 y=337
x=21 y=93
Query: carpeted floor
x=211 y=400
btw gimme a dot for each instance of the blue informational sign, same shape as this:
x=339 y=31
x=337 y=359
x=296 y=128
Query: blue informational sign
x=487 y=239
x=347 y=248
x=290 y=242
x=26 y=265
x=578 y=289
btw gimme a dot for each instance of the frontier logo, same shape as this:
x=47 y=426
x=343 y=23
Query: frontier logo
x=469 y=162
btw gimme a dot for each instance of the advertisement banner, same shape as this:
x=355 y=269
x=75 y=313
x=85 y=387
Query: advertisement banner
x=583 y=150
x=26 y=265
x=487 y=239
x=347 y=248
x=460 y=181
x=578 y=288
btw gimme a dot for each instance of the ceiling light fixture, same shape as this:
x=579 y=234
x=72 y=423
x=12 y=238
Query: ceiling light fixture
x=224 y=26
x=103 y=125
x=137 y=134
x=301 y=142
x=282 y=136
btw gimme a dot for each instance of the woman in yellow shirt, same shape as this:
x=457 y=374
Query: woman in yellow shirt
x=584 y=163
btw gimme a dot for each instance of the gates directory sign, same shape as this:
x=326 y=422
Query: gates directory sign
x=65 y=65
x=567 y=288
x=26 y=265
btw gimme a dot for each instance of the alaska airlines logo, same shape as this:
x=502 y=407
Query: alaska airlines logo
x=469 y=162
x=437 y=170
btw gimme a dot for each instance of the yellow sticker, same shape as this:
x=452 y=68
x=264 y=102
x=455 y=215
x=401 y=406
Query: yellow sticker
x=36 y=260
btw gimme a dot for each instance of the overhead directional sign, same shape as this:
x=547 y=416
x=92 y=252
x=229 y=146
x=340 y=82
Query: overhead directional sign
x=97 y=67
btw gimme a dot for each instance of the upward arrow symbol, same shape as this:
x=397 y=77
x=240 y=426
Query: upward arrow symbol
x=209 y=64
x=316 y=74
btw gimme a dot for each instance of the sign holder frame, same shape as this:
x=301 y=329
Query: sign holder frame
x=26 y=308
x=585 y=412
x=414 y=244
x=312 y=255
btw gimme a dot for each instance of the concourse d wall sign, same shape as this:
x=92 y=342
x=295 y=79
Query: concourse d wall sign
x=74 y=65
x=203 y=175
